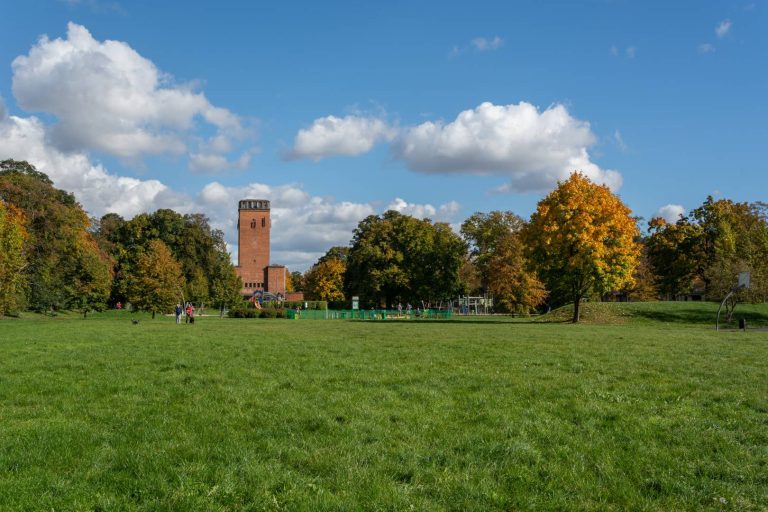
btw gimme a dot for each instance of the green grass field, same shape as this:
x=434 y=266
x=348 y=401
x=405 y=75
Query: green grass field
x=654 y=411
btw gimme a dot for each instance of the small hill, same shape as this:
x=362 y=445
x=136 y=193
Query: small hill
x=756 y=315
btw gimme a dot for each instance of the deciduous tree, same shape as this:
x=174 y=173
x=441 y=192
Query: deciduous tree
x=157 y=283
x=582 y=238
x=515 y=287
x=13 y=259
x=396 y=257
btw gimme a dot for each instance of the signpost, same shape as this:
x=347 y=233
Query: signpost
x=355 y=303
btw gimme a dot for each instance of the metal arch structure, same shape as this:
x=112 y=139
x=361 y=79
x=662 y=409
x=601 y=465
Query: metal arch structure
x=743 y=284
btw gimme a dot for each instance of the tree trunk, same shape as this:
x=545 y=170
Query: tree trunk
x=576 y=308
x=153 y=314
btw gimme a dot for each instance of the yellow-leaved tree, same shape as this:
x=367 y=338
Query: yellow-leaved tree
x=325 y=281
x=581 y=238
x=157 y=282
x=13 y=236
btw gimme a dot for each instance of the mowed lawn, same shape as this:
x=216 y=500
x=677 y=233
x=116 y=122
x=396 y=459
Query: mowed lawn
x=478 y=414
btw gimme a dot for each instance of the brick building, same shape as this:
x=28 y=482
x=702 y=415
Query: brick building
x=253 y=267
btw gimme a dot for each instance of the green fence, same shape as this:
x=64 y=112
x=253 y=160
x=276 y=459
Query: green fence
x=368 y=314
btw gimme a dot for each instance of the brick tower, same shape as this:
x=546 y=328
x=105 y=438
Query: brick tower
x=253 y=225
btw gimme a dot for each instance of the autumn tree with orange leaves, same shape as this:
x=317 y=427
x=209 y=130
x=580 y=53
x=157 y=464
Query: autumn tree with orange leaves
x=580 y=239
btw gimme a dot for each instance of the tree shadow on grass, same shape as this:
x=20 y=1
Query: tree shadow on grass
x=432 y=321
x=702 y=316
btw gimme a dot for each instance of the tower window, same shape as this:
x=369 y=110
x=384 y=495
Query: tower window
x=253 y=224
x=263 y=222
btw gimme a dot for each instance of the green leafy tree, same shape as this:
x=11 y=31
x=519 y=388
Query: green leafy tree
x=89 y=279
x=157 y=283
x=581 y=238
x=674 y=255
x=297 y=282
x=56 y=225
x=483 y=232
x=396 y=257
x=12 y=258
x=225 y=286
x=200 y=250
x=197 y=289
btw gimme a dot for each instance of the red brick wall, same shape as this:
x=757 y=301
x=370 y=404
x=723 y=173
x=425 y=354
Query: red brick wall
x=276 y=279
x=253 y=224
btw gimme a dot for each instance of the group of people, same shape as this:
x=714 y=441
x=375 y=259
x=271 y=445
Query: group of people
x=189 y=310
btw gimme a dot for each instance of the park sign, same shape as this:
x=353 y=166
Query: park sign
x=355 y=302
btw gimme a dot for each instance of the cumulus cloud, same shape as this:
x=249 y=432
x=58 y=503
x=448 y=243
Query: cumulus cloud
x=304 y=227
x=99 y=191
x=631 y=51
x=106 y=97
x=346 y=136
x=534 y=149
x=705 y=48
x=722 y=28
x=670 y=213
x=443 y=213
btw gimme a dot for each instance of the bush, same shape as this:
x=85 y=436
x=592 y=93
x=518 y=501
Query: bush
x=244 y=310
x=268 y=313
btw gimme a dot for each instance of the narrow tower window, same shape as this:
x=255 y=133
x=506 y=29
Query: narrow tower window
x=253 y=224
x=263 y=222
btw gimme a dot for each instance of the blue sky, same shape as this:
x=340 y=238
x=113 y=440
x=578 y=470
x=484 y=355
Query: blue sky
x=337 y=111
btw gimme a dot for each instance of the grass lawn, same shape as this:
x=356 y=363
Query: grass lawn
x=655 y=412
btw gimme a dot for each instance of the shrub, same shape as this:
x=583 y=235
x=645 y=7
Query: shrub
x=268 y=313
x=244 y=310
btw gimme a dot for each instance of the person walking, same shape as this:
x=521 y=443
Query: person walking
x=178 y=313
x=191 y=313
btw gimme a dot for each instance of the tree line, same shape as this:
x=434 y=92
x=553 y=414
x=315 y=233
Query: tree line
x=53 y=257
x=581 y=243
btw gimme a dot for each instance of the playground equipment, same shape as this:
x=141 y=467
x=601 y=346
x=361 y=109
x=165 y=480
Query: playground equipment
x=467 y=305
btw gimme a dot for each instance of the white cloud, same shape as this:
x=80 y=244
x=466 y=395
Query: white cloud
x=483 y=44
x=631 y=51
x=333 y=136
x=106 y=97
x=534 y=149
x=96 y=189
x=722 y=28
x=705 y=48
x=3 y=110
x=304 y=227
x=670 y=213
x=614 y=51
x=443 y=213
